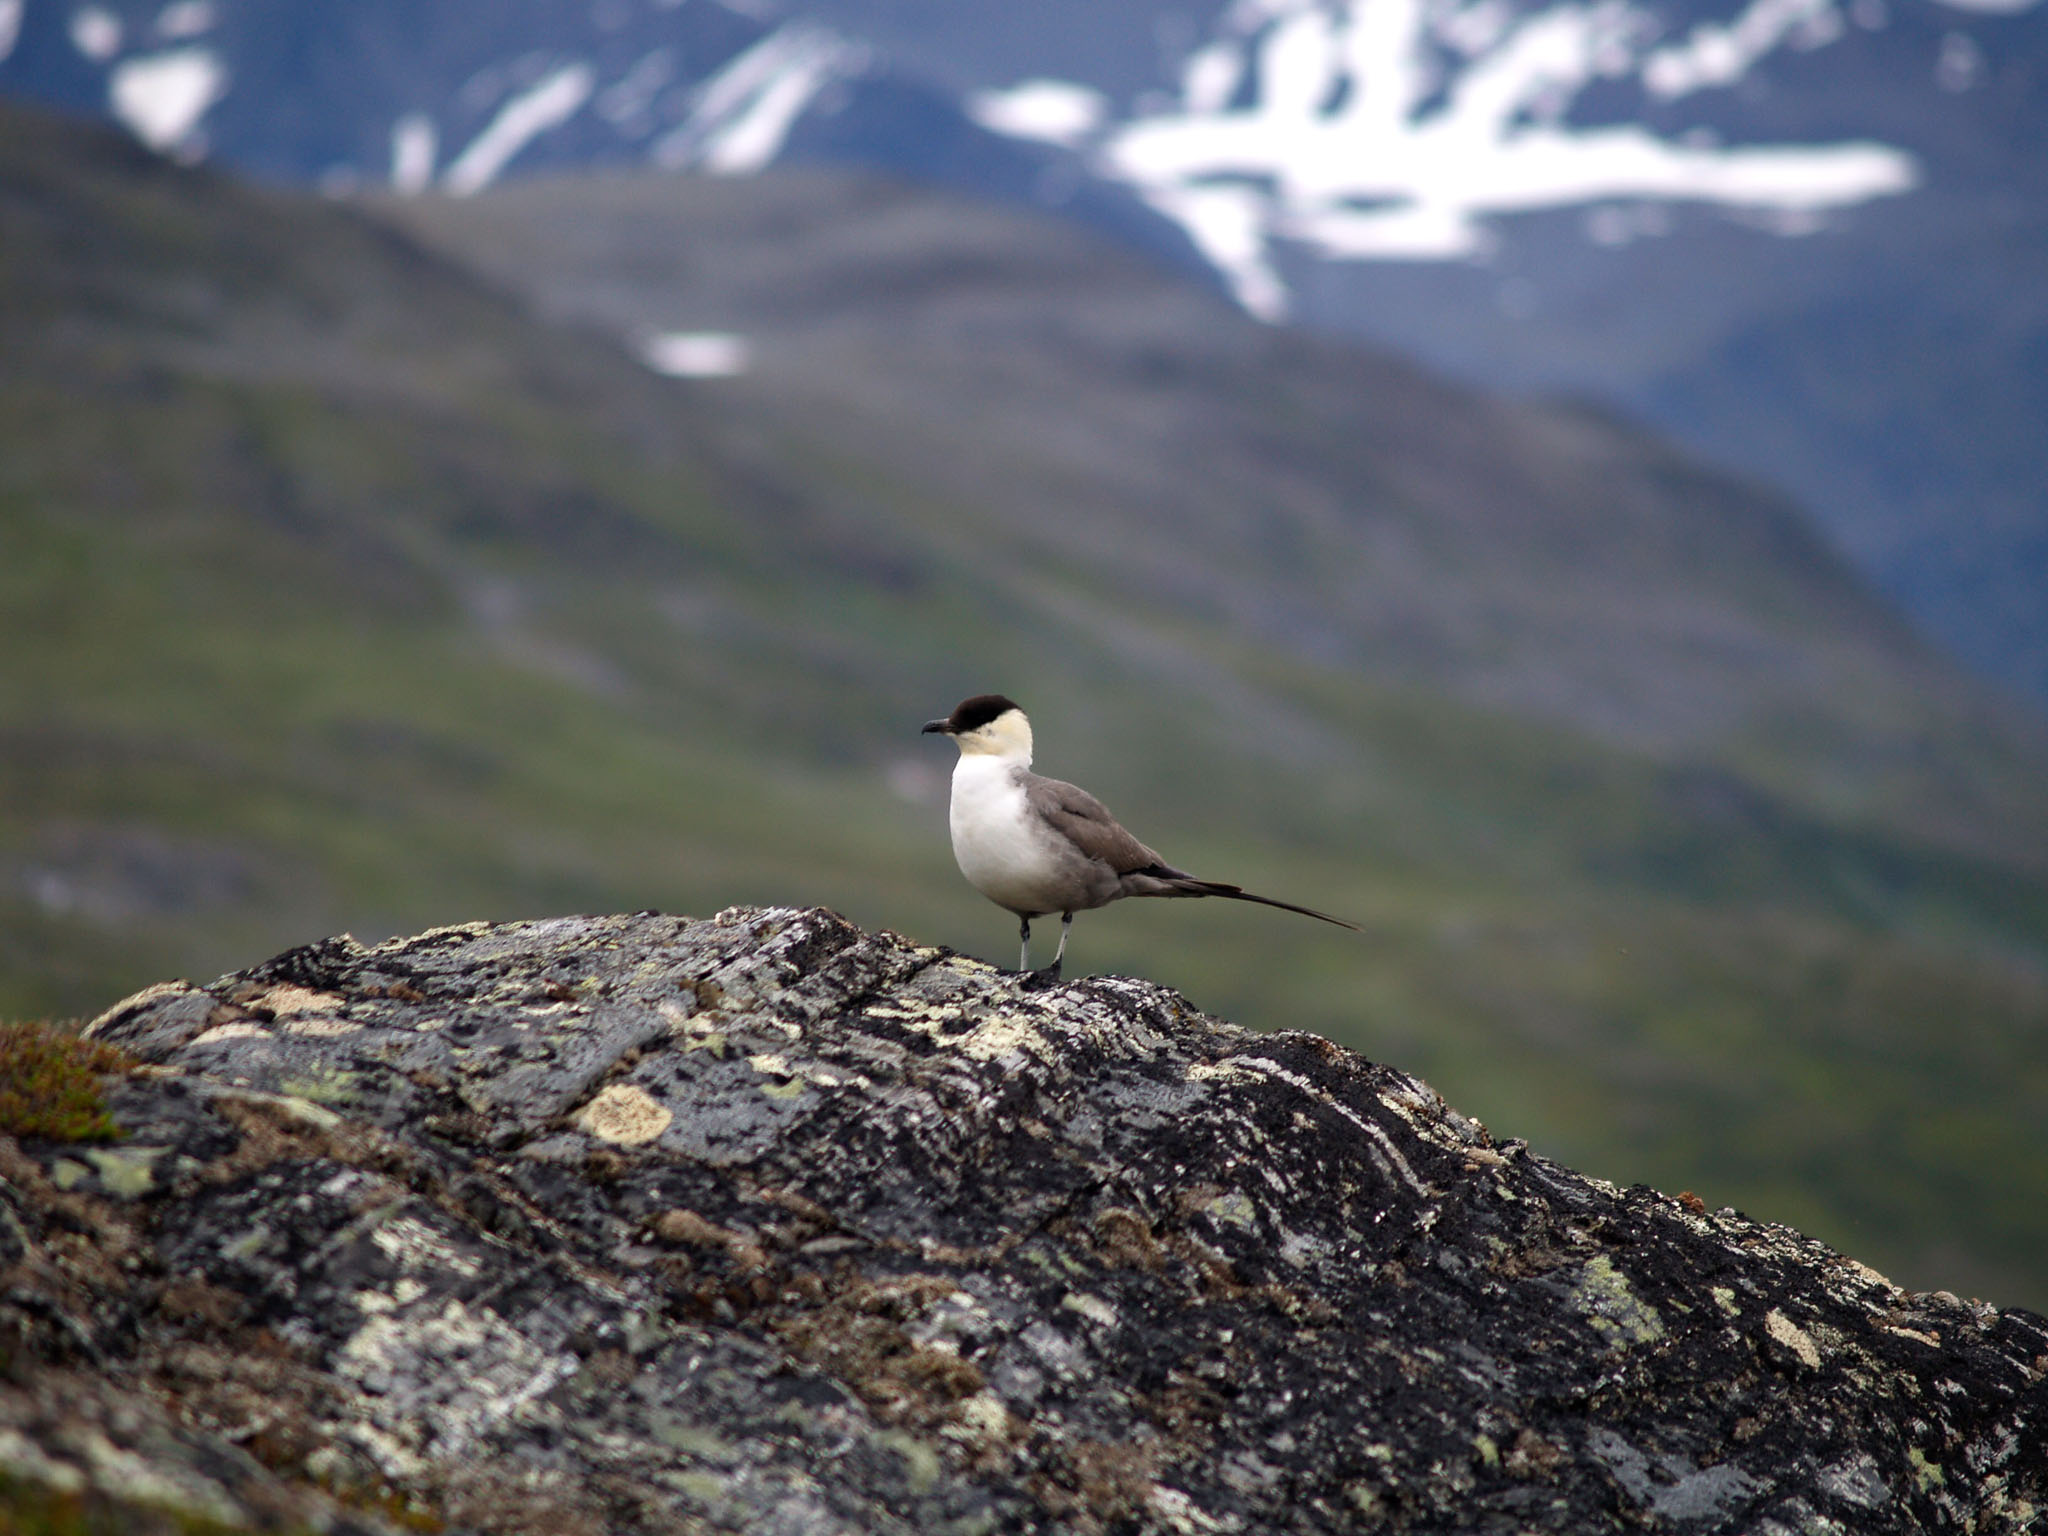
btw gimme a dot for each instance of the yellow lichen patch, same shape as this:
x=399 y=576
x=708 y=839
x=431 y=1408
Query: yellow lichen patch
x=993 y=1037
x=1866 y=1274
x=126 y=1172
x=278 y=1106
x=1793 y=1337
x=1236 y=1208
x=319 y=1026
x=239 y=1030
x=1094 y=1308
x=322 y=1084
x=1925 y=1472
x=285 y=1000
x=624 y=1114
x=981 y=1418
x=49 y=1084
x=148 y=997
x=1611 y=1305
x=921 y=1464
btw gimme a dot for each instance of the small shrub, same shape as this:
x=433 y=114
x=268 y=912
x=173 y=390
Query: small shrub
x=49 y=1083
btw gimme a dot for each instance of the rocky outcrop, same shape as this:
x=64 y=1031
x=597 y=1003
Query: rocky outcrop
x=762 y=1223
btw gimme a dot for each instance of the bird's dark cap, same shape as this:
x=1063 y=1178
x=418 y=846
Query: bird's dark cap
x=972 y=714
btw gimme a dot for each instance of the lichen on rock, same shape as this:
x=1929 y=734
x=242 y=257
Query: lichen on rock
x=765 y=1223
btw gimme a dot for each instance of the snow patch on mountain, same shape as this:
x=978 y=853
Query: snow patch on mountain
x=697 y=354
x=547 y=104
x=186 y=19
x=95 y=33
x=741 y=116
x=1721 y=55
x=1395 y=129
x=163 y=96
x=1056 y=111
x=414 y=145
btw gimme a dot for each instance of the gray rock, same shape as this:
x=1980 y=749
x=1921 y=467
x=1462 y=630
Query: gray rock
x=766 y=1224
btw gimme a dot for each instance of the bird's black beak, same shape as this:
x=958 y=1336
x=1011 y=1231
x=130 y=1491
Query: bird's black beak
x=943 y=727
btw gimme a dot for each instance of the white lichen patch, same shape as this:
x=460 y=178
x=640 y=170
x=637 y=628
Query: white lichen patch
x=1867 y=1275
x=403 y=1294
x=1182 y=1514
x=800 y=1074
x=1724 y=1298
x=1301 y=1250
x=476 y=928
x=1793 y=1337
x=413 y=1245
x=127 y=1476
x=439 y=1383
x=21 y=1457
x=625 y=1115
x=1857 y=1480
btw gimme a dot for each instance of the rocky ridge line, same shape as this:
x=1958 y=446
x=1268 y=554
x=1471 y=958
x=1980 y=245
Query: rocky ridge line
x=762 y=1223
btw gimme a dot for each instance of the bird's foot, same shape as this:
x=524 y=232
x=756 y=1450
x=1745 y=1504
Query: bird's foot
x=1044 y=976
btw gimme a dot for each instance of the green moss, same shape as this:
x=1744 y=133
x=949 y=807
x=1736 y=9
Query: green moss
x=49 y=1084
x=36 y=1509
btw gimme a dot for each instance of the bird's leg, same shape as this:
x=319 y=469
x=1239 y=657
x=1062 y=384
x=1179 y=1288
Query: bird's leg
x=1024 y=931
x=1066 y=923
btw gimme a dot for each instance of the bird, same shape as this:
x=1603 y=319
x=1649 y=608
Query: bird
x=1036 y=846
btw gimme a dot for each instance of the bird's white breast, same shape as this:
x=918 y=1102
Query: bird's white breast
x=997 y=842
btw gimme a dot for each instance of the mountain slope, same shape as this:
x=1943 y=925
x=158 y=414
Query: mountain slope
x=1803 y=238
x=1326 y=502
x=340 y=591
x=1800 y=236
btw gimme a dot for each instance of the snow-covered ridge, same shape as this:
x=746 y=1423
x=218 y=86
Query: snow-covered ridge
x=742 y=115
x=167 y=66
x=1349 y=129
x=1395 y=129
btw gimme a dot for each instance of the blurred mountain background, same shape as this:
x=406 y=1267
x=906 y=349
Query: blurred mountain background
x=489 y=465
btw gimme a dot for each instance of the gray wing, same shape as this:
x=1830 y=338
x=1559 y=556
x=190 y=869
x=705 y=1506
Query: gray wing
x=1086 y=823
